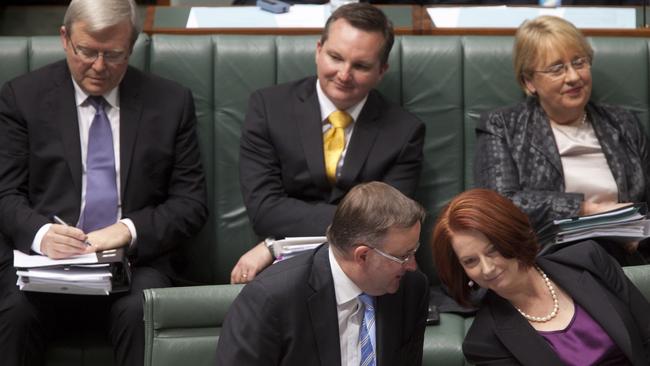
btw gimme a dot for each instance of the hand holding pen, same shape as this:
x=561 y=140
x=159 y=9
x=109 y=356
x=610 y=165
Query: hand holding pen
x=59 y=221
x=64 y=241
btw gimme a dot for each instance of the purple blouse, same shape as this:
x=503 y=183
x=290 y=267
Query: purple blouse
x=583 y=342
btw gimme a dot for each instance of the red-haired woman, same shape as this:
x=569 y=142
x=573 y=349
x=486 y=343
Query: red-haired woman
x=574 y=306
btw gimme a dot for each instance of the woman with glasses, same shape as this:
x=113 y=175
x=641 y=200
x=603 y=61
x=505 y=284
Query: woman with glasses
x=558 y=154
x=572 y=307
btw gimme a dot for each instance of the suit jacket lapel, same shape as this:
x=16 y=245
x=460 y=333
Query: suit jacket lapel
x=363 y=138
x=322 y=310
x=588 y=293
x=388 y=326
x=130 y=116
x=308 y=120
x=541 y=137
x=609 y=138
x=61 y=106
x=518 y=336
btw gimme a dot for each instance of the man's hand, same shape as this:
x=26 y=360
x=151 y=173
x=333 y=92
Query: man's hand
x=62 y=241
x=250 y=264
x=110 y=237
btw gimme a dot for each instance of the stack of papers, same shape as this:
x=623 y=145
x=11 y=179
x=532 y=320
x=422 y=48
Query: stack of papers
x=88 y=274
x=292 y=246
x=625 y=224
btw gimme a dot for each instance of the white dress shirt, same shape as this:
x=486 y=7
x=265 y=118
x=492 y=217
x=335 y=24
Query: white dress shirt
x=350 y=315
x=584 y=164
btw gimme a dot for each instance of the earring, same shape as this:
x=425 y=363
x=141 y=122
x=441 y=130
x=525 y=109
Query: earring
x=470 y=283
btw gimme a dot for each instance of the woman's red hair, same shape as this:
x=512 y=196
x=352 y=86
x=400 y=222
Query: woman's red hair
x=483 y=210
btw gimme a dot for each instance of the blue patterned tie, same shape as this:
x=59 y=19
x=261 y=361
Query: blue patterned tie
x=101 y=187
x=367 y=332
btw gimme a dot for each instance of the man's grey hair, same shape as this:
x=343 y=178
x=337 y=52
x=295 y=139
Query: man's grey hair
x=101 y=14
x=367 y=212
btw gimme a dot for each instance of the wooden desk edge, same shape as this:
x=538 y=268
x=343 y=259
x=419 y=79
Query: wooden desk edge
x=422 y=25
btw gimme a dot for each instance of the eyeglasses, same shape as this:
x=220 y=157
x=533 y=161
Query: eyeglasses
x=402 y=259
x=90 y=55
x=559 y=70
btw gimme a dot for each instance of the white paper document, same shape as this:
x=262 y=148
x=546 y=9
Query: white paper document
x=512 y=17
x=69 y=273
x=22 y=260
x=299 y=16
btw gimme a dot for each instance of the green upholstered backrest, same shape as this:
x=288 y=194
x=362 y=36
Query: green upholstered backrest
x=640 y=277
x=182 y=324
x=447 y=81
x=431 y=88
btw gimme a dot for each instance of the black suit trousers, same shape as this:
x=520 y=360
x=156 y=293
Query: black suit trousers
x=30 y=320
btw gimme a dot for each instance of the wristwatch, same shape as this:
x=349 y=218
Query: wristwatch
x=268 y=242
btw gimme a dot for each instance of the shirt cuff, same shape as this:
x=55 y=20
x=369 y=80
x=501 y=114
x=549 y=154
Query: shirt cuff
x=36 y=244
x=134 y=235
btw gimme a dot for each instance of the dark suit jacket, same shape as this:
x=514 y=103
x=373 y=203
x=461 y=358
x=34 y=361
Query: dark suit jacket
x=501 y=336
x=517 y=156
x=287 y=316
x=282 y=170
x=162 y=182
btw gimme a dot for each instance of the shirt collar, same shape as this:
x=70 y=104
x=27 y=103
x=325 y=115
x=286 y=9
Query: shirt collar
x=327 y=107
x=112 y=97
x=344 y=288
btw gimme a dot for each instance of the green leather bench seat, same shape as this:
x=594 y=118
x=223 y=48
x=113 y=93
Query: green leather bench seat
x=447 y=81
x=182 y=325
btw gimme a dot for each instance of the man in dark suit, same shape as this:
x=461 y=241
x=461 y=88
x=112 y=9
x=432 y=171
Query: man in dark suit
x=113 y=152
x=319 y=308
x=291 y=173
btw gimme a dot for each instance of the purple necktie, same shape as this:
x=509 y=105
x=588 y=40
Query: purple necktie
x=101 y=187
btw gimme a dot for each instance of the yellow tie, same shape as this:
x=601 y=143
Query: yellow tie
x=334 y=142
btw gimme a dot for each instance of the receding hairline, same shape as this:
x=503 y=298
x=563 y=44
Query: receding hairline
x=366 y=216
x=99 y=15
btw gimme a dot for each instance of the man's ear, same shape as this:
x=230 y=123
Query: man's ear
x=382 y=71
x=384 y=68
x=63 y=33
x=360 y=254
x=319 y=47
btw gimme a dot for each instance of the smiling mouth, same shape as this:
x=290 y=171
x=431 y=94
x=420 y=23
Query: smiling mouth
x=338 y=85
x=493 y=278
x=574 y=90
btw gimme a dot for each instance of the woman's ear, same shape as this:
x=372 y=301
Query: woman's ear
x=530 y=85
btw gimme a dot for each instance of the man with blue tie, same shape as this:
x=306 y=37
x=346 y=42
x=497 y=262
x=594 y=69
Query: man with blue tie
x=357 y=300
x=109 y=150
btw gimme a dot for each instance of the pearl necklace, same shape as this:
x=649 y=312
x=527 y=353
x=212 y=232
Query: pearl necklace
x=584 y=119
x=556 y=304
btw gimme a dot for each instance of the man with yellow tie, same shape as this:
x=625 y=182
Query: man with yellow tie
x=306 y=143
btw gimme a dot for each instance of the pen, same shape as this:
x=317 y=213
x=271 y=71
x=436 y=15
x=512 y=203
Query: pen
x=59 y=221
